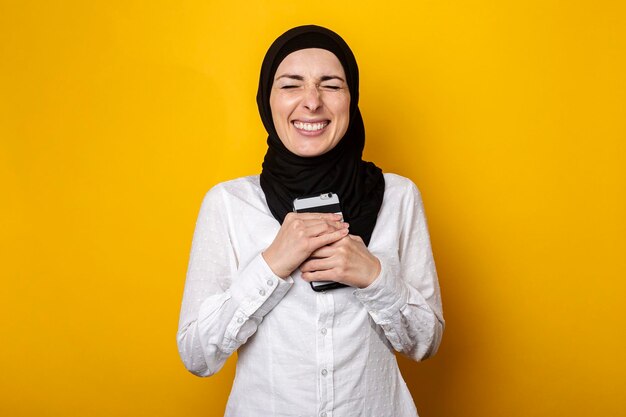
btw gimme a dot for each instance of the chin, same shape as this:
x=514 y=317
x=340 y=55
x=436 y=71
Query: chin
x=309 y=149
x=309 y=153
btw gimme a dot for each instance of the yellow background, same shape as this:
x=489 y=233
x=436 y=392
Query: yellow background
x=117 y=116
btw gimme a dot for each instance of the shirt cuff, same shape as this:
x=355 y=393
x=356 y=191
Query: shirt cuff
x=257 y=290
x=384 y=297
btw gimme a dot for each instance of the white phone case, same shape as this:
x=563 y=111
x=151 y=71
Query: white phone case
x=322 y=203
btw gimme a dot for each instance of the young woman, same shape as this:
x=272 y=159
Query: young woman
x=303 y=352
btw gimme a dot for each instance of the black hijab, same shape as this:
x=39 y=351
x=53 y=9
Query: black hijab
x=285 y=176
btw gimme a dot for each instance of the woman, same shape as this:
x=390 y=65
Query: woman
x=302 y=352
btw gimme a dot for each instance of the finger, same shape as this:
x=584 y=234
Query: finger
x=326 y=275
x=317 y=229
x=317 y=264
x=324 y=252
x=314 y=222
x=328 y=238
x=318 y=216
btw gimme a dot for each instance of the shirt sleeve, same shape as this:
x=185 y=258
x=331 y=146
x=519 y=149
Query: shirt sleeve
x=223 y=302
x=405 y=299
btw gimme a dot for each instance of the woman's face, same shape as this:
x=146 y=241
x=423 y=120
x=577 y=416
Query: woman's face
x=310 y=102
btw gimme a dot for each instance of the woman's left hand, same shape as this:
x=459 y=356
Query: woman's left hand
x=347 y=261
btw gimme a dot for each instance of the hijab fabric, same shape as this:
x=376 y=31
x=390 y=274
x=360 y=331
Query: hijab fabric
x=285 y=176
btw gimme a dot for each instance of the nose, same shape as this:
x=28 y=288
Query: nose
x=312 y=100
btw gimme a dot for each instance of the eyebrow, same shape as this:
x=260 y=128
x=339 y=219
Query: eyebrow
x=331 y=77
x=301 y=78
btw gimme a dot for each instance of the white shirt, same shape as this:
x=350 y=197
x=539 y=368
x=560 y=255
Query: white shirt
x=301 y=352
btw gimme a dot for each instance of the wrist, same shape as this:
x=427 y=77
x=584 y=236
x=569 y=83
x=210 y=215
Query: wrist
x=374 y=272
x=269 y=260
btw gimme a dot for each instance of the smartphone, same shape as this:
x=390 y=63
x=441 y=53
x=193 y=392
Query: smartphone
x=320 y=203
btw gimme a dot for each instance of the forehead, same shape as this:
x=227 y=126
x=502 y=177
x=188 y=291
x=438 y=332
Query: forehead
x=311 y=61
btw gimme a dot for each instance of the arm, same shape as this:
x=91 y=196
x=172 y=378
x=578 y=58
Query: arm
x=404 y=300
x=223 y=302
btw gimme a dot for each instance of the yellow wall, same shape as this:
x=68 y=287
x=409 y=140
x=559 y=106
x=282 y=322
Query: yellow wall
x=117 y=116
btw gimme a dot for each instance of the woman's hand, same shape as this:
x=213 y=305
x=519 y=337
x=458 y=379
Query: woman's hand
x=347 y=261
x=300 y=235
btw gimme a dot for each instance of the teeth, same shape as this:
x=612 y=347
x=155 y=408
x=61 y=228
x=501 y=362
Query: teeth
x=310 y=127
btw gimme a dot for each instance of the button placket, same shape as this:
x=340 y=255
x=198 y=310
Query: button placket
x=325 y=317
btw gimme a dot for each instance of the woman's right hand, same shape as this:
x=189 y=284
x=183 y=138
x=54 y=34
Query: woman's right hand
x=300 y=235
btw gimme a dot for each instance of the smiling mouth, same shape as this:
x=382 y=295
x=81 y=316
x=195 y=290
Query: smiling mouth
x=310 y=127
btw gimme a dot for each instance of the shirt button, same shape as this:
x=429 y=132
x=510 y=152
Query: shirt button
x=323 y=331
x=324 y=372
x=261 y=293
x=270 y=282
x=323 y=414
x=239 y=320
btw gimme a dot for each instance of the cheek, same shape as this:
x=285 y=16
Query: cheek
x=281 y=108
x=342 y=110
x=277 y=116
x=341 y=105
